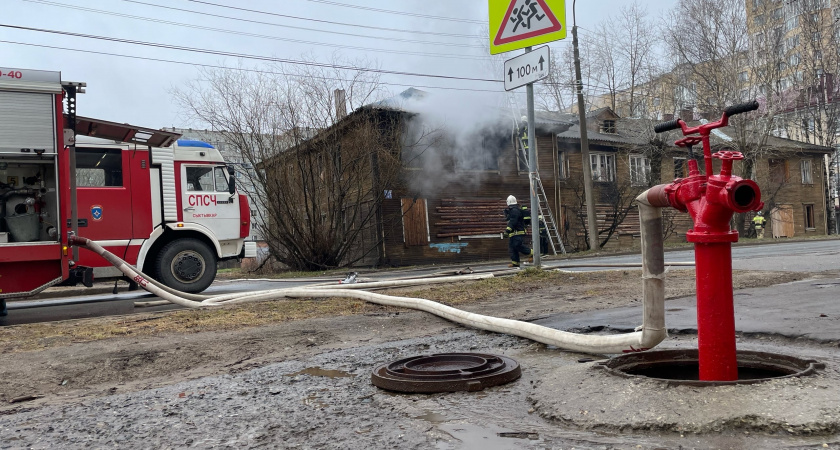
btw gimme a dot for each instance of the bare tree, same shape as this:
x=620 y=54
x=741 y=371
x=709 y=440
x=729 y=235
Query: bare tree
x=557 y=91
x=813 y=60
x=623 y=56
x=719 y=64
x=319 y=187
x=606 y=60
x=554 y=93
x=636 y=49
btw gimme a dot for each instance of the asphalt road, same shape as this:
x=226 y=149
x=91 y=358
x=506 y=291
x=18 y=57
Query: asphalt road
x=798 y=256
x=806 y=309
x=803 y=309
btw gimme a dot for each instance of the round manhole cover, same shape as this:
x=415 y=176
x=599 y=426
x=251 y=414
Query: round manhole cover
x=681 y=367
x=446 y=372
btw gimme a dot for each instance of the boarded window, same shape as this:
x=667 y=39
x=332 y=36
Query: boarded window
x=778 y=171
x=807 y=173
x=415 y=221
x=476 y=217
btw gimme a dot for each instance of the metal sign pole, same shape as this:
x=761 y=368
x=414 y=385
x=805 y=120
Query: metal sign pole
x=71 y=124
x=532 y=159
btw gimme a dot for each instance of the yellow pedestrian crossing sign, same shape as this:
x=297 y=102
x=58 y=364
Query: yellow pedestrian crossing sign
x=516 y=24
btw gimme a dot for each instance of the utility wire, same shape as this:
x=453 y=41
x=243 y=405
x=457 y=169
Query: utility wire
x=243 y=55
x=262 y=36
x=308 y=19
x=273 y=24
x=402 y=13
x=591 y=87
x=241 y=69
x=274 y=72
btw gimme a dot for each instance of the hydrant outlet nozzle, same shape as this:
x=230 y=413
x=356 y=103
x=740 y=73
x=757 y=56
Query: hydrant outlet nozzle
x=742 y=195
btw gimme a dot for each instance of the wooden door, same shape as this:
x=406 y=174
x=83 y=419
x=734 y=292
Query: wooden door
x=415 y=221
x=781 y=221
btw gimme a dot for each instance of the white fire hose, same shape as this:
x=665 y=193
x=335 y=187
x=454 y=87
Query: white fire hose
x=650 y=334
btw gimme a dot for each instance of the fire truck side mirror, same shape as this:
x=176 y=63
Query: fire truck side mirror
x=231 y=180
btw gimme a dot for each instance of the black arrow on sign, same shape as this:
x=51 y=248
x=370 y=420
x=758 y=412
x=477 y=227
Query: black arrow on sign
x=541 y=61
x=510 y=74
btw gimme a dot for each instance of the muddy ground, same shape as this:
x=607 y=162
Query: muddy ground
x=301 y=379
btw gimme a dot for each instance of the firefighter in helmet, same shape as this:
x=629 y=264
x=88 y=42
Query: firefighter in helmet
x=523 y=133
x=517 y=217
x=759 y=222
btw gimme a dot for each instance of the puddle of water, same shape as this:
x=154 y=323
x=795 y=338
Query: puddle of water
x=432 y=417
x=319 y=372
x=474 y=437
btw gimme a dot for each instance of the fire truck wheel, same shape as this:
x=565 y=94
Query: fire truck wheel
x=187 y=265
x=3 y=311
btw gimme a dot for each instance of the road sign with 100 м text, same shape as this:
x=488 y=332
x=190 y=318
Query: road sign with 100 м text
x=527 y=68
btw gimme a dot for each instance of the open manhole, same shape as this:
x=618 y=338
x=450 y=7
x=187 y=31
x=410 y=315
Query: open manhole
x=446 y=372
x=681 y=367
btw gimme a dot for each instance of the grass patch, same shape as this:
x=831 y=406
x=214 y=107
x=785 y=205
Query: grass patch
x=234 y=317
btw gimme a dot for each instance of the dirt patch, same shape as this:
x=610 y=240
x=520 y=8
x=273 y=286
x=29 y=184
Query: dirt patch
x=64 y=361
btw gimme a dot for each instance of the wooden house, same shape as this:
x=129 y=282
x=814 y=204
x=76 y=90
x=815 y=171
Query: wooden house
x=627 y=157
x=446 y=204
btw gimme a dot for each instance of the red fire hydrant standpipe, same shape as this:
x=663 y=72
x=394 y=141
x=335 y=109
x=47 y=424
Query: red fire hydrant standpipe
x=711 y=200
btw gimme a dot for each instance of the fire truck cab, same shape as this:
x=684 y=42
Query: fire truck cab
x=168 y=206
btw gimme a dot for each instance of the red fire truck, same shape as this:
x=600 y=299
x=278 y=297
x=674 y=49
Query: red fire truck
x=168 y=206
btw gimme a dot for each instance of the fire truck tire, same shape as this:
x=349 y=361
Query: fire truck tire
x=3 y=311
x=187 y=265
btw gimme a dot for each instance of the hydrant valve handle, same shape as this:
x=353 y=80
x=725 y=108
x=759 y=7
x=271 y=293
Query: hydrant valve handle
x=728 y=156
x=688 y=141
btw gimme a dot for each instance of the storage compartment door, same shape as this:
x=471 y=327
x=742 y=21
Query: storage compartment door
x=27 y=122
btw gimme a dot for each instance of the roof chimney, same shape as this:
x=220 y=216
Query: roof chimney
x=667 y=117
x=340 y=104
x=686 y=115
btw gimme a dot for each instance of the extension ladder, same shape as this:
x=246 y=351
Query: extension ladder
x=554 y=239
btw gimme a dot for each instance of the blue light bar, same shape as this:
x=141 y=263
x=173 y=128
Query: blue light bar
x=193 y=143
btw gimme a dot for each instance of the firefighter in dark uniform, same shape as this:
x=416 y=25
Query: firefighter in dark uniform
x=543 y=237
x=517 y=217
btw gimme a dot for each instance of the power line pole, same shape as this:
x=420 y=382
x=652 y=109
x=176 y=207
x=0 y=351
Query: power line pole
x=532 y=159
x=592 y=226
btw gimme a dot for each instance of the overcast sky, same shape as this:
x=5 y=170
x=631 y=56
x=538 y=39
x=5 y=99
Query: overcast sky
x=128 y=89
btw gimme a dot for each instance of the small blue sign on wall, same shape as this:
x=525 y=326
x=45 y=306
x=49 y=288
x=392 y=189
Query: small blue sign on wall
x=96 y=212
x=449 y=247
